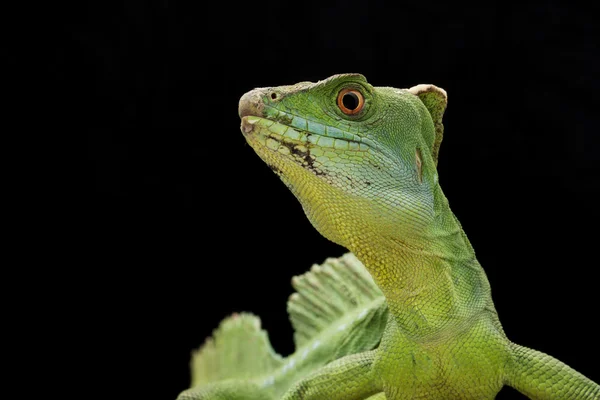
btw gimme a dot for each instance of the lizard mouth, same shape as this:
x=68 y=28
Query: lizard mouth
x=274 y=134
x=312 y=151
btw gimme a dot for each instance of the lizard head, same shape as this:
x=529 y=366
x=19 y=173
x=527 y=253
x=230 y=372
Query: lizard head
x=360 y=159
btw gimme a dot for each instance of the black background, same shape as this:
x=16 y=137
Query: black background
x=182 y=224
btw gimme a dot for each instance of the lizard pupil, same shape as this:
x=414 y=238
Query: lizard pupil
x=351 y=101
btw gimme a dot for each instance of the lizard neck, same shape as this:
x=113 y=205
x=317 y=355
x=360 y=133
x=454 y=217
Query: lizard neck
x=432 y=281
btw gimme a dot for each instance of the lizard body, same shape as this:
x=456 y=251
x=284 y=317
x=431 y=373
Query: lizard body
x=362 y=162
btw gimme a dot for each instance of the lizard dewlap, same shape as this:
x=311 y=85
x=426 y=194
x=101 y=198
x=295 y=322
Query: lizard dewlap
x=408 y=313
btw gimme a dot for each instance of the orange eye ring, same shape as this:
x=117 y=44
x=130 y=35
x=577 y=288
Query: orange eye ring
x=350 y=101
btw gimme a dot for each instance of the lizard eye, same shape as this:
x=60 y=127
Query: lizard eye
x=350 y=101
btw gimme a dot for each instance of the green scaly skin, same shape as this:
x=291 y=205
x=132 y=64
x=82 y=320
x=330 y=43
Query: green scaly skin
x=369 y=182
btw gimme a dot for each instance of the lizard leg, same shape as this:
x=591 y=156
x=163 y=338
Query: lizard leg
x=348 y=378
x=540 y=376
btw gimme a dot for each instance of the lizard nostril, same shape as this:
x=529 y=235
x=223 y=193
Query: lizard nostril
x=273 y=96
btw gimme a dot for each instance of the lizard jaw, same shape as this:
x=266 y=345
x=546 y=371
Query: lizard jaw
x=278 y=144
x=247 y=125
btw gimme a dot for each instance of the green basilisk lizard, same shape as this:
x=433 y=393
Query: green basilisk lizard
x=408 y=314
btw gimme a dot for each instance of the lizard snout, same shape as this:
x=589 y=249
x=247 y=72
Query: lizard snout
x=251 y=104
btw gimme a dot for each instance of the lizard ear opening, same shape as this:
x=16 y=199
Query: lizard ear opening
x=435 y=100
